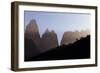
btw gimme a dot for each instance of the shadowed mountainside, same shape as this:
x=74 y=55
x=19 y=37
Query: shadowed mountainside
x=35 y=45
x=32 y=38
x=78 y=50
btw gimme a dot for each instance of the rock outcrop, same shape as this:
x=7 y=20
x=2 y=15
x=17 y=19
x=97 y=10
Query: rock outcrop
x=71 y=37
x=32 y=40
x=49 y=40
x=34 y=45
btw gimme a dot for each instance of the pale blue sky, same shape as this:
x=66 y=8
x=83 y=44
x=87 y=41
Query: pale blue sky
x=58 y=21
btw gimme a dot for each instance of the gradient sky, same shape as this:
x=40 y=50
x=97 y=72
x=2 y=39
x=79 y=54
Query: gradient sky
x=58 y=21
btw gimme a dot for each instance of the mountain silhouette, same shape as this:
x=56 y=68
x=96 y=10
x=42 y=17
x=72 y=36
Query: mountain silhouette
x=78 y=50
x=46 y=46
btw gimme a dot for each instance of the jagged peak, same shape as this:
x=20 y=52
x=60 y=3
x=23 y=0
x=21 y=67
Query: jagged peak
x=47 y=30
x=52 y=31
x=32 y=21
x=32 y=26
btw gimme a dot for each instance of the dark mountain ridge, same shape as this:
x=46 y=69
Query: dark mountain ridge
x=78 y=50
x=35 y=45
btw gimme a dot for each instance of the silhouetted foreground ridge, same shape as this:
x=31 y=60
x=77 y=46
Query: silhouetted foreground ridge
x=78 y=50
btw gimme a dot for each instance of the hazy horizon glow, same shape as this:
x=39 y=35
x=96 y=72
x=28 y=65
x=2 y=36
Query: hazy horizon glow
x=58 y=21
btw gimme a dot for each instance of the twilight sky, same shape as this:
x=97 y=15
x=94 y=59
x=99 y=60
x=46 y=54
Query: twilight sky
x=58 y=21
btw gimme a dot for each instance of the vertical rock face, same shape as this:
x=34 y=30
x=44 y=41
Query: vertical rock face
x=71 y=37
x=68 y=37
x=49 y=40
x=32 y=40
x=84 y=33
x=35 y=45
x=32 y=30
